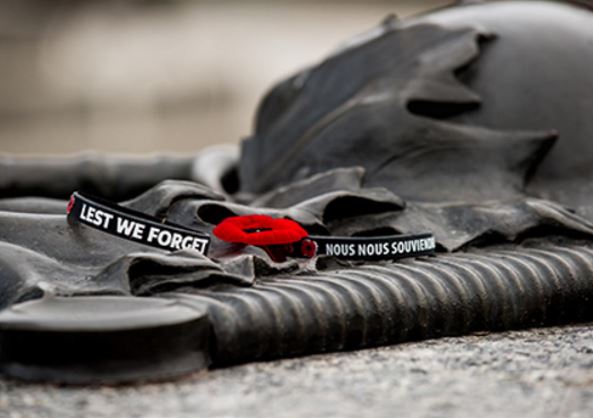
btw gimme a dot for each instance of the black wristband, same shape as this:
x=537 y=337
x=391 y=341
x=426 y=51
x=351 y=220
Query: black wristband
x=375 y=248
x=132 y=225
x=136 y=226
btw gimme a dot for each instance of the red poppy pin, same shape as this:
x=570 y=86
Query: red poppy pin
x=259 y=230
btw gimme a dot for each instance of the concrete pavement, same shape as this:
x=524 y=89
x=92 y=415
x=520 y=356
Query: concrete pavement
x=534 y=373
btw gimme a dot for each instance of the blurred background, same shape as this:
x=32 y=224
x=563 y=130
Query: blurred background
x=151 y=76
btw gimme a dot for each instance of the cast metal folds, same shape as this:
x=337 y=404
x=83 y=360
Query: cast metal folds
x=495 y=289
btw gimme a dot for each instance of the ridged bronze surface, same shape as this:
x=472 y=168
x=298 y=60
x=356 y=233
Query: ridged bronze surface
x=373 y=305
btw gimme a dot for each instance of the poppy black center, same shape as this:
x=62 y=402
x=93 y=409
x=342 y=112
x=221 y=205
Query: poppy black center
x=254 y=230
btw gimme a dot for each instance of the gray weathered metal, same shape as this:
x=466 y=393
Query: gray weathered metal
x=472 y=122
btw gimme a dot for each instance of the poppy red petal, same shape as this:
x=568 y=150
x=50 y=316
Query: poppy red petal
x=259 y=230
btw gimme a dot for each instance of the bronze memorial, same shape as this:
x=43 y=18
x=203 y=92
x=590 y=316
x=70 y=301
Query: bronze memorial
x=432 y=177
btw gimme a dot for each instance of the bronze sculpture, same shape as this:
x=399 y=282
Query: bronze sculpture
x=431 y=123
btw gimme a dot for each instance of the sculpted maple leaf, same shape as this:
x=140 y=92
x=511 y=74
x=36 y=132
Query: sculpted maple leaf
x=383 y=103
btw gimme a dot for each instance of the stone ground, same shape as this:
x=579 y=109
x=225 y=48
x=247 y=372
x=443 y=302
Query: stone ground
x=534 y=373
